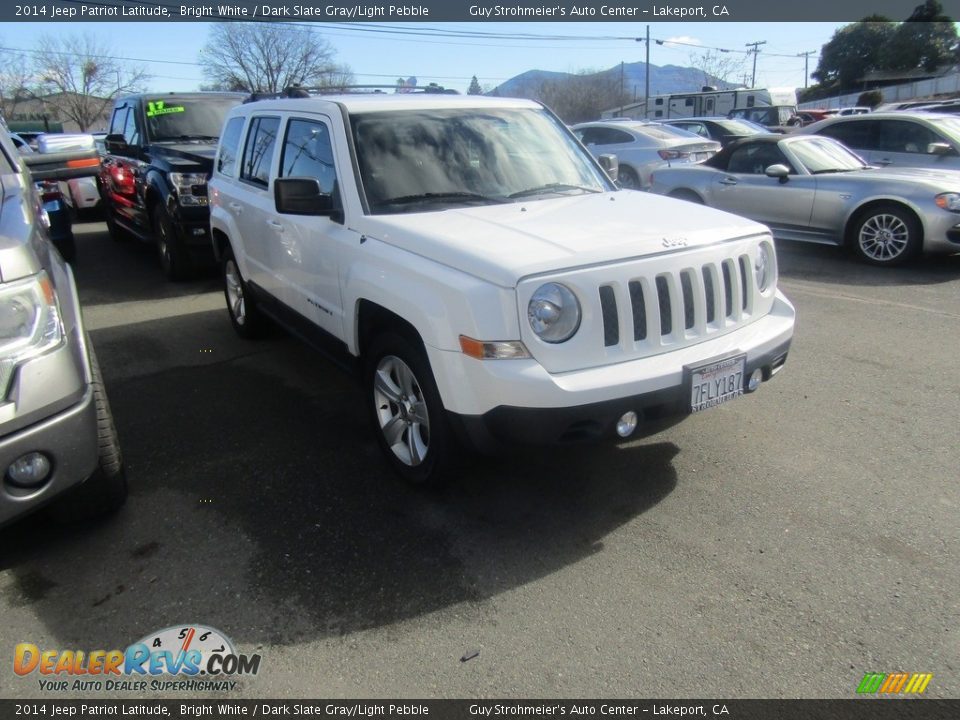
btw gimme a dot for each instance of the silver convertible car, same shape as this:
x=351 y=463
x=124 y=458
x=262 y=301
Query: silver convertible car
x=814 y=189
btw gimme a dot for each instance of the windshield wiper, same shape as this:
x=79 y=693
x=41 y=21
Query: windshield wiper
x=551 y=188
x=836 y=170
x=439 y=197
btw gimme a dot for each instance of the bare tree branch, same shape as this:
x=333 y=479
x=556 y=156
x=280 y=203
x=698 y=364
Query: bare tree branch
x=268 y=58
x=16 y=80
x=718 y=66
x=82 y=76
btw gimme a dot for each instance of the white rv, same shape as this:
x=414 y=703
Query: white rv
x=712 y=102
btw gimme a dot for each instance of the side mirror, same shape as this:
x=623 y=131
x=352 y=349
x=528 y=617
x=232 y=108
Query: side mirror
x=302 y=196
x=939 y=148
x=116 y=144
x=777 y=171
x=611 y=165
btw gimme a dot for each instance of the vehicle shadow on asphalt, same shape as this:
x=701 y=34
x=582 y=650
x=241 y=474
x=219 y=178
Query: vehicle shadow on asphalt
x=261 y=506
x=829 y=264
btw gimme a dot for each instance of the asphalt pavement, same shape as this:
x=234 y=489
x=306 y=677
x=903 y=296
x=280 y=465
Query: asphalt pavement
x=779 y=546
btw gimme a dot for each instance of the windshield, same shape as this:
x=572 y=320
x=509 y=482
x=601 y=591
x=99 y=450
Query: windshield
x=173 y=118
x=412 y=161
x=742 y=127
x=824 y=155
x=663 y=132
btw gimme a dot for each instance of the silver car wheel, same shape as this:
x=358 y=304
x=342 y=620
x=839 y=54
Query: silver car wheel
x=401 y=411
x=235 y=299
x=883 y=237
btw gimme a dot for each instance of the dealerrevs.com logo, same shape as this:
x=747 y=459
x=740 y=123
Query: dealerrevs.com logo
x=182 y=657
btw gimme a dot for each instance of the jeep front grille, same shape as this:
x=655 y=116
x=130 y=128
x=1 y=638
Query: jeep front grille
x=682 y=305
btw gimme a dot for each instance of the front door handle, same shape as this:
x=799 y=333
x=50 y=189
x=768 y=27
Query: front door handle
x=277 y=227
x=884 y=162
x=236 y=207
x=729 y=181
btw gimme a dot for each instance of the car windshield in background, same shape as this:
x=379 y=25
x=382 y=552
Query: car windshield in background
x=663 y=132
x=431 y=159
x=171 y=118
x=948 y=126
x=743 y=127
x=822 y=155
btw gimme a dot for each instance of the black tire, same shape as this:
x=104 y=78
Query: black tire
x=422 y=456
x=105 y=491
x=628 y=178
x=886 y=235
x=174 y=258
x=688 y=195
x=245 y=316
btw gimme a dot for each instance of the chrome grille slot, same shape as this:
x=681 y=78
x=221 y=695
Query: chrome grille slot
x=710 y=291
x=611 y=318
x=639 y=309
x=744 y=277
x=727 y=290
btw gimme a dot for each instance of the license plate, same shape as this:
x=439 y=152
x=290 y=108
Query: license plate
x=716 y=383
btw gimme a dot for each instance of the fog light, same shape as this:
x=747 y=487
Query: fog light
x=756 y=377
x=627 y=424
x=29 y=470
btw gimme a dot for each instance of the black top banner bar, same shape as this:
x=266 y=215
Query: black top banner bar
x=641 y=11
x=865 y=709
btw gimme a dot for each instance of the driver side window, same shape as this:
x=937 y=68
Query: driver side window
x=756 y=158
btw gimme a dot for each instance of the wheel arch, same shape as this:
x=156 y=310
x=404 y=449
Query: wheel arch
x=685 y=193
x=865 y=207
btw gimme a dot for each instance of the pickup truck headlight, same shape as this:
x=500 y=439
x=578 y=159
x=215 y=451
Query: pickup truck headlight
x=29 y=322
x=186 y=186
x=554 y=313
x=948 y=201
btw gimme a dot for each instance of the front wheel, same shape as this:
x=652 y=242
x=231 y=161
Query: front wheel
x=174 y=259
x=628 y=179
x=886 y=235
x=408 y=415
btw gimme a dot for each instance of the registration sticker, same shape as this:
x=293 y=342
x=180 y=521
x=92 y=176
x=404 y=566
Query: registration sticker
x=716 y=383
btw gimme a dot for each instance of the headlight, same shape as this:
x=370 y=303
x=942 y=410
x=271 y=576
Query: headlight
x=29 y=323
x=948 y=201
x=763 y=266
x=554 y=313
x=186 y=185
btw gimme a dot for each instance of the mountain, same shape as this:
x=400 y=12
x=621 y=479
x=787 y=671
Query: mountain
x=663 y=79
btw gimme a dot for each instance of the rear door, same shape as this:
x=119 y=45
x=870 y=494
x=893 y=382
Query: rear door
x=904 y=143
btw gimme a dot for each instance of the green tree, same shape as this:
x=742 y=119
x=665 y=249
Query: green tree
x=927 y=39
x=853 y=51
x=474 y=88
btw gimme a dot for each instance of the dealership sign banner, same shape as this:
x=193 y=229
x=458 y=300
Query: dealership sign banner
x=326 y=11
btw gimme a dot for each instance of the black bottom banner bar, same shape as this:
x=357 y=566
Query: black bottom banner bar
x=857 y=709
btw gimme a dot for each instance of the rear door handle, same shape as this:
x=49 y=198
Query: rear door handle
x=277 y=227
x=729 y=181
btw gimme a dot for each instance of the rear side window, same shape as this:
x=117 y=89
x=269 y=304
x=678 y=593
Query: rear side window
x=307 y=152
x=230 y=147
x=852 y=134
x=903 y=136
x=258 y=153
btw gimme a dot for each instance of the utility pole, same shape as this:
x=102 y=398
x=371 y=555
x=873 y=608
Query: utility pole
x=621 y=88
x=806 y=66
x=755 y=51
x=646 y=74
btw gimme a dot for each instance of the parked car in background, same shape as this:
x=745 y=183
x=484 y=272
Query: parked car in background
x=908 y=139
x=642 y=146
x=775 y=118
x=814 y=189
x=82 y=194
x=723 y=130
x=808 y=117
x=857 y=110
x=159 y=154
x=950 y=108
x=57 y=438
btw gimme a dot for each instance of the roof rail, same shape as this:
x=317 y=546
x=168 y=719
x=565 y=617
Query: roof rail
x=298 y=91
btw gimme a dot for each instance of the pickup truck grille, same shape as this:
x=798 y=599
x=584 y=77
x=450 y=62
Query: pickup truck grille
x=648 y=306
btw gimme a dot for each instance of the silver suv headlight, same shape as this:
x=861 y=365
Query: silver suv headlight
x=183 y=184
x=29 y=322
x=764 y=266
x=554 y=313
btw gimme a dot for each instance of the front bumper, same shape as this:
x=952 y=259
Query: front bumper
x=491 y=403
x=192 y=224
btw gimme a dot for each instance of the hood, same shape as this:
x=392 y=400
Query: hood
x=504 y=243
x=200 y=154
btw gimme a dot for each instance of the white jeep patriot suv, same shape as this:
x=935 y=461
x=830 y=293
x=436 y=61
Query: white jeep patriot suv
x=485 y=273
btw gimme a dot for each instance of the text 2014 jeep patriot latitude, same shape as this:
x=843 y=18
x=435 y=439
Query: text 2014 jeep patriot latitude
x=492 y=280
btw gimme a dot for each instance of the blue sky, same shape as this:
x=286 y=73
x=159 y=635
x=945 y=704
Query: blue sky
x=170 y=51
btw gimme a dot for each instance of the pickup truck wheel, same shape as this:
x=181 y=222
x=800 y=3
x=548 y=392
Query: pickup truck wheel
x=886 y=235
x=408 y=414
x=105 y=491
x=174 y=259
x=244 y=314
x=628 y=178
